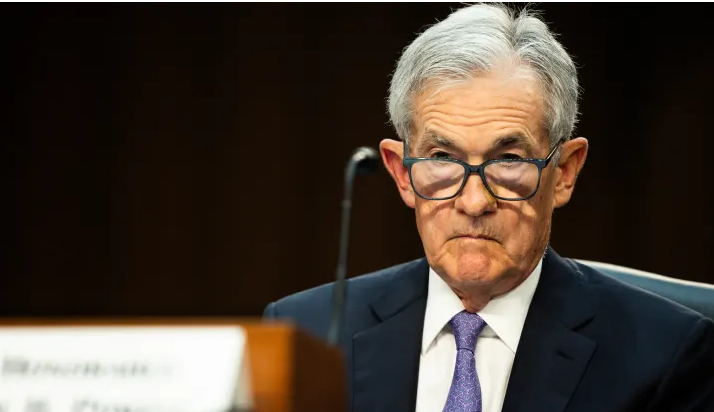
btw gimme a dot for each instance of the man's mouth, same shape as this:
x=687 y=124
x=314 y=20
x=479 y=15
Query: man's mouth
x=474 y=237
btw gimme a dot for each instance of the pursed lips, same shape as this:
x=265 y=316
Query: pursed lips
x=475 y=237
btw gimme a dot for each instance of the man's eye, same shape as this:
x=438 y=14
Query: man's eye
x=441 y=155
x=510 y=156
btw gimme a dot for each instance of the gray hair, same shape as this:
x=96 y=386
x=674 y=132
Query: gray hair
x=472 y=41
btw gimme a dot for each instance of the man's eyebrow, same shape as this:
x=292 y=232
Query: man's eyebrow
x=509 y=141
x=434 y=139
x=514 y=140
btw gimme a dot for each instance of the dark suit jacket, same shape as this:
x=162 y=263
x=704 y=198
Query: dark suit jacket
x=589 y=343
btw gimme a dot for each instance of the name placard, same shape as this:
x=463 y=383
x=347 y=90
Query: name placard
x=124 y=369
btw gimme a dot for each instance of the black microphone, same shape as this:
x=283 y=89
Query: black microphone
x=364 y=160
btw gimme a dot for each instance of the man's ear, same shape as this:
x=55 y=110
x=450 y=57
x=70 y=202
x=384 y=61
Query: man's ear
x=392 y=152
x=572 y=159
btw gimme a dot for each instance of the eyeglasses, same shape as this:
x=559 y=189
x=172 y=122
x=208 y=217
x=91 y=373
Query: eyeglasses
x=505 y=179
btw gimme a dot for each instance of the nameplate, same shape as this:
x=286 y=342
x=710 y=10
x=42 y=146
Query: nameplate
x=123 y=369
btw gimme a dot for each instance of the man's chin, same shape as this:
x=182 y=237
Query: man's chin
x=475 y=270
x=480 y=261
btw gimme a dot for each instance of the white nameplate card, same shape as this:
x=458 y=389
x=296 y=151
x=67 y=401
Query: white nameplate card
x=124 y=369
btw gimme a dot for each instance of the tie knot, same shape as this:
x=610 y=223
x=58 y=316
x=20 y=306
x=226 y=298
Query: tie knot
x=466 y=327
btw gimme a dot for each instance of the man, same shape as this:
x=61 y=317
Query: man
x=492 y=319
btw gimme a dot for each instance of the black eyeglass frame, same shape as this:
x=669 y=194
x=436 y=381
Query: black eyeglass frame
x=478 y=169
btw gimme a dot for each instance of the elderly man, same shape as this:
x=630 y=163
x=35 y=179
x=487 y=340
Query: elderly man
x=492 y=319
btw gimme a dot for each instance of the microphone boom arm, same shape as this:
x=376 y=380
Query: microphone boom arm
x=364 y=160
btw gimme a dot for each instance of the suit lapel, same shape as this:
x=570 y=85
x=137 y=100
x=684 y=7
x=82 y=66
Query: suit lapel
x=386 y=356
x=552 y=356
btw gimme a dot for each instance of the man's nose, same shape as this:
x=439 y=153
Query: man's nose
x=475 y=199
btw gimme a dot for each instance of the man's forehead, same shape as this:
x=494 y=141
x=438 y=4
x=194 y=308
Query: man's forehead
x=505 y=110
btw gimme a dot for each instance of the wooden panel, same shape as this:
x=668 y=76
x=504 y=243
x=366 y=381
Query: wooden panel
x=293 y=371
x=270 y=349
x=319 y=376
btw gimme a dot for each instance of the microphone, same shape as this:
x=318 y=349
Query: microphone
x=364 y=160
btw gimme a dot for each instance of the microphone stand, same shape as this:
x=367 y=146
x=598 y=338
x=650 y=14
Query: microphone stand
x=364 y=160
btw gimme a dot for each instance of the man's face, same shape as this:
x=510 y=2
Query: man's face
x=473 y=239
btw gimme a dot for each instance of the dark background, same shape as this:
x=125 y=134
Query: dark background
x=188 y=159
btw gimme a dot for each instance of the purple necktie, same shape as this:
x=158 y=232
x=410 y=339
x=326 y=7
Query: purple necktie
x=465 y=391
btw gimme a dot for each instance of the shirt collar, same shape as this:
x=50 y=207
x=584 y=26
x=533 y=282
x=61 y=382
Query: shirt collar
x=504 y=315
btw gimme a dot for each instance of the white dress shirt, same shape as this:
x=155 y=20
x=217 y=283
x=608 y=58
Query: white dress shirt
x=495 y=349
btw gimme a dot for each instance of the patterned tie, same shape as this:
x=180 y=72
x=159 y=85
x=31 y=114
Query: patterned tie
x=465 y=392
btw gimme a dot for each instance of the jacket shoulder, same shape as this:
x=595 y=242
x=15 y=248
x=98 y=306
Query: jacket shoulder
x=312 y=308
x=650 y=343
x=633 y=300
x=638 y=321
